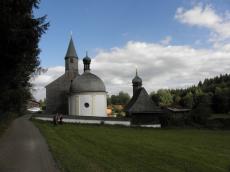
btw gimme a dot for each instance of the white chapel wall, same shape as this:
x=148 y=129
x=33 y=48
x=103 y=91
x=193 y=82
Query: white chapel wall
x=86 y=105
x=100 y=105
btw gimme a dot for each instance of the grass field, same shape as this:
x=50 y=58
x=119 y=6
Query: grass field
x=106 y=148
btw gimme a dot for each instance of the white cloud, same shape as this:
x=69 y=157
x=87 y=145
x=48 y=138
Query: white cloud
x=166 y=41
x=159 y=66
x=40 y=81
x=206 y=16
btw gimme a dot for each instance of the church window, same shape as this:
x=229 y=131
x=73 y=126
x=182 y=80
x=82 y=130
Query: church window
x=66 y=65
x=86 y=105
x=71 y=60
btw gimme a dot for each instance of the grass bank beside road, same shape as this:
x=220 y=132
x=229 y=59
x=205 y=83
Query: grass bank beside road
x=106 y=148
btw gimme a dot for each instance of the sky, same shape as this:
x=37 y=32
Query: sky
x=173 y=44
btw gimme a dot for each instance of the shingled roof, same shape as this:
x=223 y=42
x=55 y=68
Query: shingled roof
x=141 y=103
x=71 y=52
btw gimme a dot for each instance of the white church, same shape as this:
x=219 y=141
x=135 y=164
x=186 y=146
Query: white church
x=80 y=94
x=87 y=94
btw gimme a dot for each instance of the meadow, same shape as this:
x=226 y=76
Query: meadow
x=90 y=148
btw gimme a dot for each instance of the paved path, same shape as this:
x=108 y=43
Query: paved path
x=23 y=149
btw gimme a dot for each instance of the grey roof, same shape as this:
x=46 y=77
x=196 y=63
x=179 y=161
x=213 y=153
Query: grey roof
x=141 y=102
x=71 y=52
x=56 y=81
x=87 y=82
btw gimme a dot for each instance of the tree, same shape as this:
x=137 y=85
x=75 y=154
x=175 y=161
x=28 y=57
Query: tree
x=197 y=94
x=108 y=100
x=114 y=100
x=221 y=100
x=20 y=33
x=203 y=110
x=165 y=97
x=176 y=100
x=155 y=97
x=43 y=104
x=122 y=98
x=187 y=100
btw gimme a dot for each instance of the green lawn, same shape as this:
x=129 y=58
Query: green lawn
x=106 y=148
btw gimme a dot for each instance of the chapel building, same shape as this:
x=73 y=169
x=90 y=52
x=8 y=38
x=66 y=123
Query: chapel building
x=141 y=109
x=75 y=94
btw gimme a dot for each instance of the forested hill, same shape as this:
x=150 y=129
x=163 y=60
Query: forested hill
x=220 y=82
x=213 y=92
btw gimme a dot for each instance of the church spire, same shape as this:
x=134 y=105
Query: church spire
x=71 y=52
x=137 y=82
x=71 y=60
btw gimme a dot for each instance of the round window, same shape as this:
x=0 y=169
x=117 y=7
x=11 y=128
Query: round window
x=86 y=105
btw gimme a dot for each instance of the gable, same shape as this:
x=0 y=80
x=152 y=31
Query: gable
x=141 y=102
x=55 y=81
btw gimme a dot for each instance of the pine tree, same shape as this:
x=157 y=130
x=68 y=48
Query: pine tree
x=20 y=33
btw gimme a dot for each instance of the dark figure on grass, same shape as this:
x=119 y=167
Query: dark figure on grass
x=55 y=119
x=60 y=119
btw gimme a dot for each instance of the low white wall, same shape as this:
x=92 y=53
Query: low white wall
x=82 y=121
x=152 y=126
x=93 y=121
x=88 y=121
x=125 y=123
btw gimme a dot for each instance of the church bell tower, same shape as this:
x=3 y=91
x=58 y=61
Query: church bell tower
x=71 y=60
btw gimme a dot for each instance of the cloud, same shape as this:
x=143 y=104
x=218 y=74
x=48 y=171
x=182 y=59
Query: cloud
x=40 y=81
x=167 y=40
x=159 y=66
x=206 y=16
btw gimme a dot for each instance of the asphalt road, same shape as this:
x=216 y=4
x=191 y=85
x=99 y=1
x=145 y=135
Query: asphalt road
x=23 y=149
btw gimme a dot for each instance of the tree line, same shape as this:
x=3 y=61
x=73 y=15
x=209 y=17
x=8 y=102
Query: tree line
x=213 y=93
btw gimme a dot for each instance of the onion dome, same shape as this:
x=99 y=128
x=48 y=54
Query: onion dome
x=137 y=79
x=86 y=61
x=87 y=82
